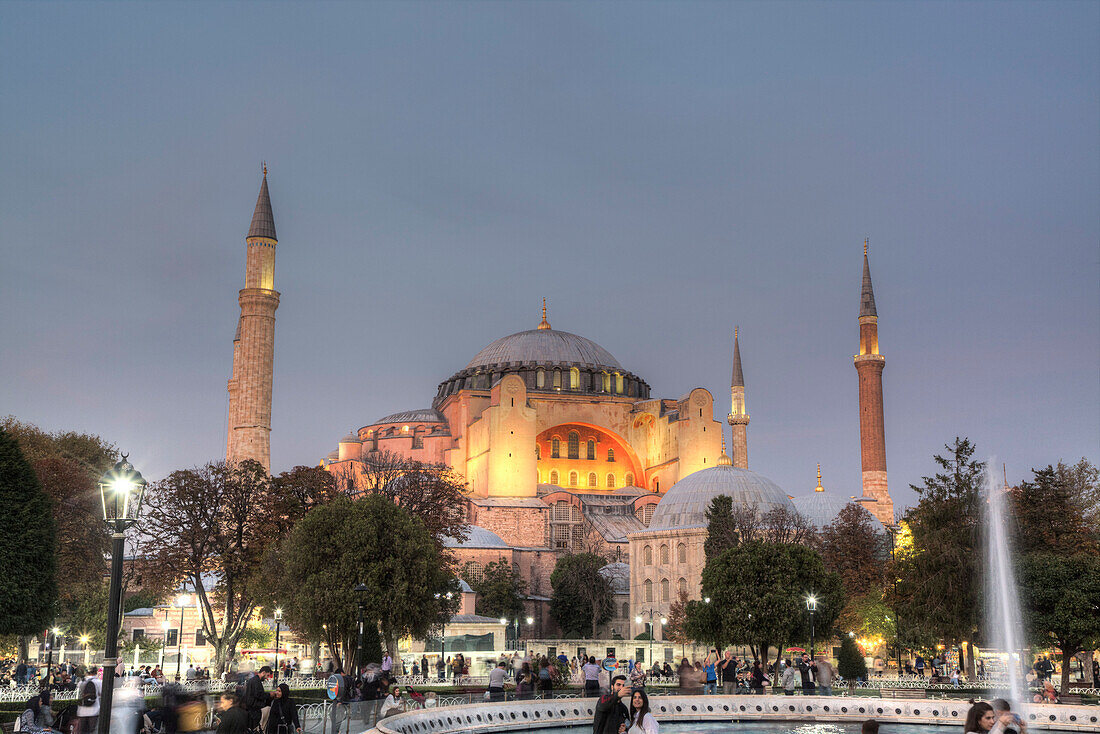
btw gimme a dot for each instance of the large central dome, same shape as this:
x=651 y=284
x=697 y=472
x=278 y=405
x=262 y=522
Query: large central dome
x=545 y=346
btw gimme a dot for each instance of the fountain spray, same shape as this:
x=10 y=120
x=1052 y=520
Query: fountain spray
x=1002 y=608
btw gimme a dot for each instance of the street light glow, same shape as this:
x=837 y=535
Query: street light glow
x=638 y=620
x=503 y=620
x=530 y=620
x=707 y=600
x=84 y=639
x=664 y=620
x=183 y=600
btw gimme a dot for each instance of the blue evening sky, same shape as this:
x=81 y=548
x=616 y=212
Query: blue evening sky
x=659 y=171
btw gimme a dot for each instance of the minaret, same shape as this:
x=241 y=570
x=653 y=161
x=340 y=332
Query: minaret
x=872 y=429
x=254 y=345
x=738 y=418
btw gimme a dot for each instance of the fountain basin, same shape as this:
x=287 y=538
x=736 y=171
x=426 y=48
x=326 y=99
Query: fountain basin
x=515 y=716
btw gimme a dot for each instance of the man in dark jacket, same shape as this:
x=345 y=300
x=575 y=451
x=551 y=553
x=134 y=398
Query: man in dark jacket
x=611 y=710
x=255 y=699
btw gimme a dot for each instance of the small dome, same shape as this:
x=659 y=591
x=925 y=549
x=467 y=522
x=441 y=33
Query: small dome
x=476 y=537
x=821 y=508
x=545 y=345
x=350 y=438
x=619 y=576
x=422 y=415
x=686 y=502
x=333 y=455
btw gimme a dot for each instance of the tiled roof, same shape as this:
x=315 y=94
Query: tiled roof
x=420 y=415
x=545 y=345
x=476 y=537
x=685 y=503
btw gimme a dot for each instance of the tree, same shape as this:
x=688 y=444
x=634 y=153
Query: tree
x=758 y=593
x=851 y=547
x=784 y=524
x=582 y=598
x=1052 y=511
x=721 y=530
x=850 y=662
x=500 y=590
x=28 y=588
x=209 y=528
x=1060 y=600
x=431 y=492
x=371 y=541
x=676 y=629
x=940 y=592
x=256 y=634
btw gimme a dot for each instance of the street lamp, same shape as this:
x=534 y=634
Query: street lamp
x=361 y=595
x=183 y=601
x=892 y=531
x=121 y=490
x=811 y=606
x=278 y=626
x=530 y=622
x=84 y=641
x=651 y=613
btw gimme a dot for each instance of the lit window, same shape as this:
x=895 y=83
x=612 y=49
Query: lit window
x=648 y=590
x=611 y=481
x=540 y=379
x=629 y=482
x=555 y=448
x=682 y=587
x=572 y=479
x=557 y=379
x=574 y=379
x=664 y=589
x=681 y=553
x=591 y=449
x=647 y=555
x=574 y=445
x=474 y=572
x=592 y=479
x=611 y=454
x=664 y=554
x=554 y=476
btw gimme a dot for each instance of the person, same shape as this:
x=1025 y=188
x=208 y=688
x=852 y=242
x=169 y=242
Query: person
x=612 y=715
x=879 y=666
x=641 y=719
x=546 y=678
x=591 y=677
x=1046 y=693
x=920 y=666
x=21 y=672
x=1096 y=672
x=496 y=681
x=806 y=669
x=825 y=674
x=191 y=673
x=88 y=709
x=233 y=719
x=666 y=671
x=789 y=676
x=637 y=676
x=255 y=699
x=728 y=671
x=955 y=677
x=869 y=727
x=710 y=687
x=441 y=669
x=982 y=719
x=563 y=659
x=36 y=718
x=1013 y=724
x=758 y=678
x=525 y=682
x=387 y=664
x=394 y=703
x=424 y=670
x=283 y=717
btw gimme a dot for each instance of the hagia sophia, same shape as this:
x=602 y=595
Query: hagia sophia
x=564 y=449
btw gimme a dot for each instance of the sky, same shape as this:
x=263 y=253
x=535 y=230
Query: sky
x=660 y=172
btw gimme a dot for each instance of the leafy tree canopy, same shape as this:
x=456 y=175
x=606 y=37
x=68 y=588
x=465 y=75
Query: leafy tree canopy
x=1053 y=510
x=851 y=547
x=850 y=662
x=500 y=590
x=582 y=598
x=28 y=587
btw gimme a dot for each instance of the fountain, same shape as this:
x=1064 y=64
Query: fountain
x=1002 y=607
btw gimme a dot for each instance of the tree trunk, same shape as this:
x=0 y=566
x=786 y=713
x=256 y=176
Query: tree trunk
x=221 y=656
x=1086 y=663
x=24 y=647
x=1066 y=657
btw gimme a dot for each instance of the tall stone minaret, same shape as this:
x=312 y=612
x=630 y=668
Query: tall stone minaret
x=254 y=345
x=738 y=418
x=872 y=429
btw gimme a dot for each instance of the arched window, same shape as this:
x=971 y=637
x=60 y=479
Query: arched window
x=648 y=590
x=574 y=445
x=656 y=484
x=664 y=554
x=553 y=476
x=562 y=510
x=555 y=448
x=611 y=481
x=592 y=479
x=645 y=514
x=682 y=553
x=626 y=611
x=538 y=453
x=540 y=379
x=474 y=572
x=664 y=589
x=618 y=383
x=647 y=555
x=574 y=379
x=557 y=379
x=591 y=454
x=629 y=481
x=682 y=587
x=611 y=454
x=572 y=479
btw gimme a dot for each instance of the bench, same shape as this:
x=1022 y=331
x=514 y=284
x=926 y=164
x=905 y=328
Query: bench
x=903 y=693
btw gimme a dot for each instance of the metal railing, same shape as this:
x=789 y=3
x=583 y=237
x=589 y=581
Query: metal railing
x=22 y=693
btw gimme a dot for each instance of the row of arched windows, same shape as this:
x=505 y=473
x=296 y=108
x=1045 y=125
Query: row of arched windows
x=573 y=447
x=592 y=480
x=665 y=589
x=647 y=551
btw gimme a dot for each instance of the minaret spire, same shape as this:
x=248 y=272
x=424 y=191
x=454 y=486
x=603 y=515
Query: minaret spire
x=819 y=488
x=872 y=425
x=250 y=387
x=724 y=459
x=544 y=324
x=738 y=417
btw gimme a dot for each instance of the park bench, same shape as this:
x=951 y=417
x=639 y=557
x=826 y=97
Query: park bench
x=903 y=693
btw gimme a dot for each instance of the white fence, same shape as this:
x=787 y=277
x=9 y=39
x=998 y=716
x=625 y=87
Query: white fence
x=22 y=693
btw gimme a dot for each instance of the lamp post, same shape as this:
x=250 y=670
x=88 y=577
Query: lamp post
x=164 y=640
x=530 y=621
x=652 y=613
x=183 y=601
x=892 y=532
x=361 y=596
x=84 y=641
x=121 y=488
x=811 y=606
x=278 y=627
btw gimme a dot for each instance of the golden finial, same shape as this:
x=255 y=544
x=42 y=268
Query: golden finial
x=724 y=459
x=265 y=169
x=544 y=324
x=866 y=240
x=819 y=488
x=735 y=333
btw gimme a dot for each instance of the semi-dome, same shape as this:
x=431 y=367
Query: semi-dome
x=685 y=504
x=545 y=346
x=821 y=508
x=476 y=537
x=421 y=415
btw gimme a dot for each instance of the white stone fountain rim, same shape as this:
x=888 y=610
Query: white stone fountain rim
x=537 y=714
